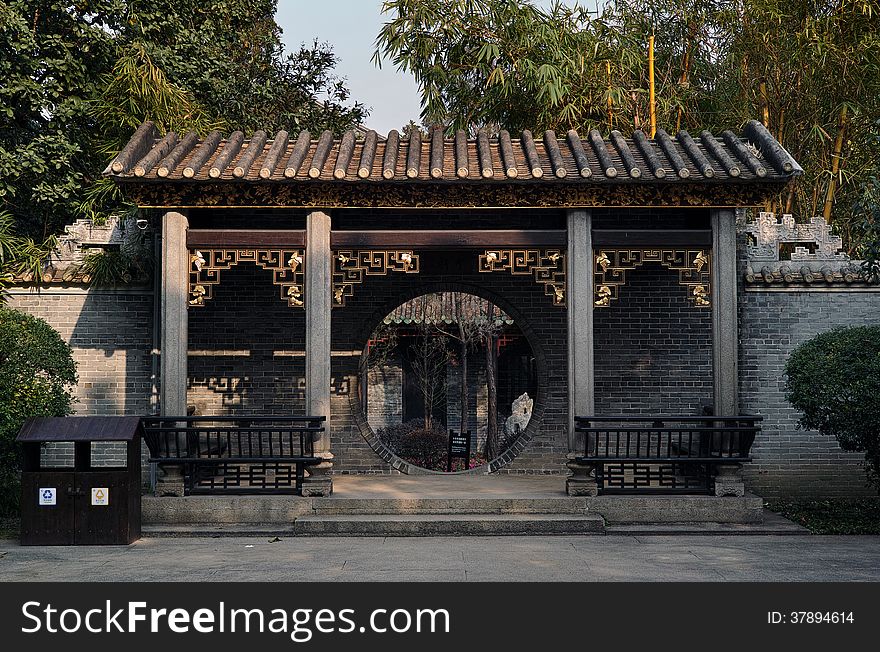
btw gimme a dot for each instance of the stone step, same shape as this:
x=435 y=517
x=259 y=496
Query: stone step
x=385 y=525
x=284 y=510
x=423 y=525
x=205 y=530
x=402 y=506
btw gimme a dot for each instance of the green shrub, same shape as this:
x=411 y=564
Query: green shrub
x=834 y=380
x=37 y=375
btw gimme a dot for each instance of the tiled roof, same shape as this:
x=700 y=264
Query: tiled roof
x=287 y=159
x=445 y=308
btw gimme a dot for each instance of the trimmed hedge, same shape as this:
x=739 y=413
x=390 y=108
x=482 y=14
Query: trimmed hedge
x=834 y=380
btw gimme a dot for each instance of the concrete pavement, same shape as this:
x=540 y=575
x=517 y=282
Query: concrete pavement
x=552 y=558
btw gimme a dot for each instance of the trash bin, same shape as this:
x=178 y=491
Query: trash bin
x=80 y=504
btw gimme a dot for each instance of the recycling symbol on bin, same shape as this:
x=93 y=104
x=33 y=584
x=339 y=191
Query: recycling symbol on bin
x=47 y=496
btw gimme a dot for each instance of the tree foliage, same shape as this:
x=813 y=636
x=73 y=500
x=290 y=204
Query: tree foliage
x=37 y=373
x=834 y=380
x=78 y=76
x=809 y=69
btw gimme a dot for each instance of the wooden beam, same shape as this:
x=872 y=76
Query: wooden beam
x=651 y=237
x=236 y=238
x=446 y=239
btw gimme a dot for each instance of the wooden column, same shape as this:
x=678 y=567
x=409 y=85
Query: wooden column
x=318 y=300
x=579 y=277
x=175 y=292
x=725 y=336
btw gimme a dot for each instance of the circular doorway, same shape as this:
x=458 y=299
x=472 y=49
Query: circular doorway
x=445 y=369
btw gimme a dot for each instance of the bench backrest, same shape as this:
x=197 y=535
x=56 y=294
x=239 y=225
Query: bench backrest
x=646 y=438
x=220 y=437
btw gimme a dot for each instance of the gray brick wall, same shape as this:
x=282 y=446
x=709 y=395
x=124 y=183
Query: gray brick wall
x=788 y=460
x=110 y=332
x=385 y=395
x=653 y=348
x=246 y=349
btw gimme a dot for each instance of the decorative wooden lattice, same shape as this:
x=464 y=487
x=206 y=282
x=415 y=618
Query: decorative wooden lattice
x=547 y=267
x=638 y=477
x=351 y=267
x=285 y=265
x=611 y=265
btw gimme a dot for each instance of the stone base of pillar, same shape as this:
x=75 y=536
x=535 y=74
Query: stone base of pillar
x=729 y=481
x=319 y=483
x=169 y=480
x=580 y=482
x=317 y=486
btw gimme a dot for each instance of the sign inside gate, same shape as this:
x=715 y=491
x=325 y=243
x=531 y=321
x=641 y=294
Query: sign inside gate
x=48 y=495
x=459 y=446
x=100 y=496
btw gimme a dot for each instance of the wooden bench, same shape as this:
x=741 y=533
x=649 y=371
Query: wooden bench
x=663 y=454
x=235 y=455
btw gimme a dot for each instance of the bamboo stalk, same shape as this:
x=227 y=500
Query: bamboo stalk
x=682 y=82
x=835 y=165
x=765 y=105
x=651 y=86
x=610 y=104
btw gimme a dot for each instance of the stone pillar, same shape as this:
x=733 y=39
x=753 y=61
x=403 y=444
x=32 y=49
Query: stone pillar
x=175 y=286
x=318 y=303
x=725 y=335
x=579 y=297
x=174 y=326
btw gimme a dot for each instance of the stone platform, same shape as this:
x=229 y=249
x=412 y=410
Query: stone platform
x=441 y=505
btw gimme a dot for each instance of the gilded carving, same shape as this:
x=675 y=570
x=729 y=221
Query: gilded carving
x=285 y=265
x=611 y=265
x=547 y=267
x=350 y=268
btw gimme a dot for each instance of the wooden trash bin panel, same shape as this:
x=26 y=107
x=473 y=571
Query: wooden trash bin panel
x=81 y=504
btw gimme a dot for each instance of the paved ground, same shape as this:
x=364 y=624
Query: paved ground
x=583 y=558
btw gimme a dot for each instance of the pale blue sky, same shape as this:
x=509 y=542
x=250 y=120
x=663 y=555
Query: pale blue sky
x=351 y=27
